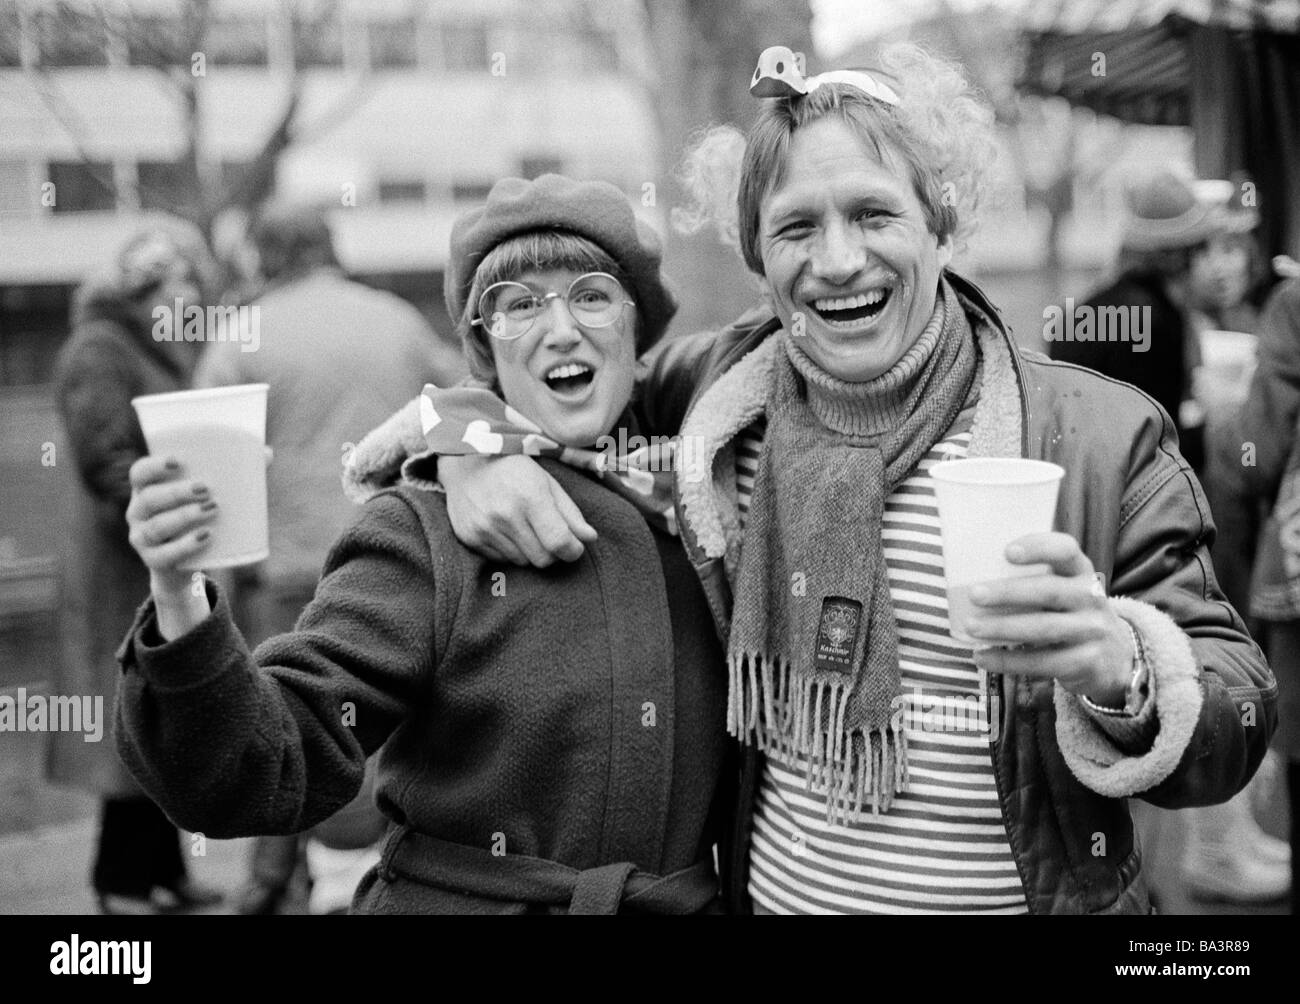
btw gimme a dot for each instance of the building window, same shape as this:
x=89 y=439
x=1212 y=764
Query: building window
x=318 y=38
x=464 y=46
x=236 y=175
x=16 y=197
x=69 y=35
x=11 y=35
x=164 y=185
x=83 y=186
x=470 y=191
x=535 y=167
x=154 y=40
x=403 y=190
x=237 y=41
x=393 y=43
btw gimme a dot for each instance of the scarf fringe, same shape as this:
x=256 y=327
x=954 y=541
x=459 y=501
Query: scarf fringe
x=792 y=718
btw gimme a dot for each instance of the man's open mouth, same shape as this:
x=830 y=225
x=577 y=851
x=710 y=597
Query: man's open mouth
x=569 y=378
x=851 y=311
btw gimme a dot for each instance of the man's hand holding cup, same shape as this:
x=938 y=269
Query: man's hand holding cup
x=1056 y=624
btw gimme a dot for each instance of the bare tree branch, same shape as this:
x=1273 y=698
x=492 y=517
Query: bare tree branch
x=73 y=125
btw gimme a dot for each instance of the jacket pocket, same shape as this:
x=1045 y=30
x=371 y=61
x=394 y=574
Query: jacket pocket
x=1134 y=898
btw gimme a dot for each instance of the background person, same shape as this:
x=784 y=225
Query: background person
x=1228 y=276
x=1228 y=857
x=110 y=358
x=1166 y=226
x=1255 y=481
x=339 y=358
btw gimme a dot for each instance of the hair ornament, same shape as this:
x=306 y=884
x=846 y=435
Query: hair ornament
x=779 y=74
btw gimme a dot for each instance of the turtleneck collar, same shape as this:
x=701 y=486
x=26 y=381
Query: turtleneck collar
x=872 y=407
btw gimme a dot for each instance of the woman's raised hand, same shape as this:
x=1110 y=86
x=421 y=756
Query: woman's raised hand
x=170 y=519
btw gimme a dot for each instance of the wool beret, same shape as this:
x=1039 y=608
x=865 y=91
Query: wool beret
x=595 y=210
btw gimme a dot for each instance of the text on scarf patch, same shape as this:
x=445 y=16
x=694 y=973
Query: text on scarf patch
x=837 y=634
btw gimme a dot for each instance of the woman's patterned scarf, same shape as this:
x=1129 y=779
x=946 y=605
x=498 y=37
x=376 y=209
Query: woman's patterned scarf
x=469 y=421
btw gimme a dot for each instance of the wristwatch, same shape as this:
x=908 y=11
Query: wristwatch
x=1138 y=684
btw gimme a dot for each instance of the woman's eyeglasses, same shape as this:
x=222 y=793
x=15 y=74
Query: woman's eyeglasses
x=508 y=310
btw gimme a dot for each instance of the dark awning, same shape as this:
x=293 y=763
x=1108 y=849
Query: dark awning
x=1138 y=76
x=1230 y=69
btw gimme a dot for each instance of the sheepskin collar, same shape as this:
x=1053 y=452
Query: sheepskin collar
x=392 y=453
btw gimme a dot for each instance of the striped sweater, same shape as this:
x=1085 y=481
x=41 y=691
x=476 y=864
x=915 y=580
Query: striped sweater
x=943 y=848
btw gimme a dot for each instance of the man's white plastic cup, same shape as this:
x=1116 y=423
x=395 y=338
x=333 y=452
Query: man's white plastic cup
x=985 y=503
x=219 y=437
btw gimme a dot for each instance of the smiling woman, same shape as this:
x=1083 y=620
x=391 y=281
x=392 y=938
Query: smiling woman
x=545 y=324
x=571 y=364
x=552 y=737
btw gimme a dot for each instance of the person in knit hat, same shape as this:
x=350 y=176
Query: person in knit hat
x=549 y=740
x=889 y=767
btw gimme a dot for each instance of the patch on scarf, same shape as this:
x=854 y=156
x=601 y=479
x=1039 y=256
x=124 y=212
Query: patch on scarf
x=837 y=634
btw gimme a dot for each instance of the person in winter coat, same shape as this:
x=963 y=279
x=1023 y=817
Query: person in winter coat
x=1227 y=856
x=549 y=740
x=1255 y=482
x=110 y=358
x=1117 y=671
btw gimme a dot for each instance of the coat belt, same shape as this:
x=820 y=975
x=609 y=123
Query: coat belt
x=515 y=878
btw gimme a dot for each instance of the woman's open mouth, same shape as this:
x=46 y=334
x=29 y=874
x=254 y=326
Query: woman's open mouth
x=569 y=380
x=851 y=312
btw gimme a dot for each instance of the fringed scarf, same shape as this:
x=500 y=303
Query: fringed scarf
x=472 y=421
x=813 y=652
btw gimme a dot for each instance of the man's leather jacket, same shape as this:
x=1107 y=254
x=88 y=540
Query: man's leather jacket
x=1139 y=514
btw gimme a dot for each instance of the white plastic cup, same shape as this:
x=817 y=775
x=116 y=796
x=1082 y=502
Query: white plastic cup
x=1222 y=381
x=219 y=437
x=985 y=504
x=1231 y=353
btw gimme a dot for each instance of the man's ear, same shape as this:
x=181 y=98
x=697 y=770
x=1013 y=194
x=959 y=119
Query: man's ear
x=765 y=292
x=945 y=252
